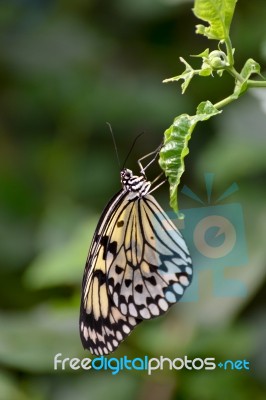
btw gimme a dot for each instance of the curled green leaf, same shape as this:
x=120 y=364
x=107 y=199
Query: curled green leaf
x=175 y=147
x=250 y=67
x=218 y=13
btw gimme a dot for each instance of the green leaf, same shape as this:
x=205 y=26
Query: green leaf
x=250 y=67
x=175 y=147
x=187 y=75
x=218 y=13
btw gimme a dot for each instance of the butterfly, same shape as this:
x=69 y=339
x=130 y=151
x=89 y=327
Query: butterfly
x=137 y=267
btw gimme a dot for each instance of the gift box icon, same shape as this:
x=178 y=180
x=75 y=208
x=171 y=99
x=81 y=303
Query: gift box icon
x=215 y=236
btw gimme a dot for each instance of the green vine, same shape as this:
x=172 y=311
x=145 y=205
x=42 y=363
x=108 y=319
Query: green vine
x=218 y=14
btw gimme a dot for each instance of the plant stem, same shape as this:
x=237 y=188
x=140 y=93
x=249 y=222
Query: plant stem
x=251 y=83
x=232 y=71
x=229 y=51
x=225 y=101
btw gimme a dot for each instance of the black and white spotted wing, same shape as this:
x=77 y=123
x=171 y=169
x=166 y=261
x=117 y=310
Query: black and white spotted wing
x=138 y=266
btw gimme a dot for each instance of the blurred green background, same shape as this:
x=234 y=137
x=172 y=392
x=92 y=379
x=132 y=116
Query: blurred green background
x=67 y=67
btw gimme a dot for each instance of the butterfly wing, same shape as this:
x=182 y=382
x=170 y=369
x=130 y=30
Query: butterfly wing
x=102 y=325
x=152 y=267
x=138 y=266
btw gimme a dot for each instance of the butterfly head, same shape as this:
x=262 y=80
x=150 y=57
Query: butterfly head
x=126 y=175
x=135 y=184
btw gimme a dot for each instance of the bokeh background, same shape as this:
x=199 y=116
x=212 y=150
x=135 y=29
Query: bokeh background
x=67 y=67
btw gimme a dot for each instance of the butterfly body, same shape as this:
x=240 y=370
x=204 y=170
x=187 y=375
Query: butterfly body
x=137 y=267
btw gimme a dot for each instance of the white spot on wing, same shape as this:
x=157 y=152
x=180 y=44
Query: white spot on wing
x=92 y=335
x=85 y=333
x=184 y=280
x=189 y=270
x=145 y=313
x=132 y=321
x=115 y=298
x=119 y=335
x=132 y=310
x=100 y=350
x=154 y=309
x=123 y=308
x=178 y=288
x=126 y=329
x=163 y=304
x=170 y=297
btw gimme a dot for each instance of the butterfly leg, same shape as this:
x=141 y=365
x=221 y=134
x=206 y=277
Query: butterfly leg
x=159 y=184
x=156 y=152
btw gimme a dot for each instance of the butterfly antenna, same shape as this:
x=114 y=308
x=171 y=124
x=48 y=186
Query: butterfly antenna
x=115 y=146
x=131 y=148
